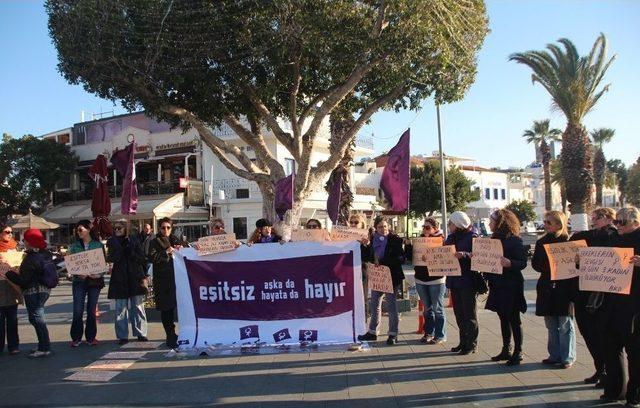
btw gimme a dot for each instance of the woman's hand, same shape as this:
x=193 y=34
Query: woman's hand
x=635 y=260
x=505 y=262
x=424 y=258
x=461 y=254
x=364 y=241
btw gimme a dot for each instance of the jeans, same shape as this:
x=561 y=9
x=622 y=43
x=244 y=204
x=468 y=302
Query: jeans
x=9 y=327
x=376 y=312
x=81 y=291
x=130 y=310
x=561 y=342
x=35 y=309
x=464 y=308
x=432 y=297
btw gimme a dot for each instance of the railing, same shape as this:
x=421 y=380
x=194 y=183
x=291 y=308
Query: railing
x=148 y=188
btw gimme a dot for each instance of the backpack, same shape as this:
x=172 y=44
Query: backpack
x=49 y=275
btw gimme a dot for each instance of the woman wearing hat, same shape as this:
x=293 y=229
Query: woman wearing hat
x=461 y=288
x=263 y=233
x=85 y=288
x=34 y=292
x=10 y=298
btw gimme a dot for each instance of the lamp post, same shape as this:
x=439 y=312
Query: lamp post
x=443 y=196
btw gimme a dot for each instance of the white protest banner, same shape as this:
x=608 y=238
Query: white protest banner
x=379 y=278
x=487 y=253
x=10 y=260
x=300 y=292
x=214 y=244
x=442 y=261
x=90 y=262
x=605 y=269
x=420 y=246
x=341 y=233
x=562 y=258
x=309 y=235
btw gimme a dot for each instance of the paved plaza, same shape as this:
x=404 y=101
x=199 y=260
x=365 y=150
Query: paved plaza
x=410 y=374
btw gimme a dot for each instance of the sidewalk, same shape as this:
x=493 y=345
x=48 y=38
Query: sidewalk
x=410 y=374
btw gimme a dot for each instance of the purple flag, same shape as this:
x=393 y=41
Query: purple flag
x=284 y=195
x=395 y=177
x=281 y=335
x=248 y=332
x=308 y=335
x=333 y=201
x=122 y=160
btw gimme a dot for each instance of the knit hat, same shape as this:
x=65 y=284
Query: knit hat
x=262 y=222
x=34 y=237
x=460 y=219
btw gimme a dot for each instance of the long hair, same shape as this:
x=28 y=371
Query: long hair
x=507 y=224
x=560 y=219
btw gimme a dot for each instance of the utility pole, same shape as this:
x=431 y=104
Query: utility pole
x=443 y=196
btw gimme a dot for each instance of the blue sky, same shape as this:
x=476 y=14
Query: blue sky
x=486 y=125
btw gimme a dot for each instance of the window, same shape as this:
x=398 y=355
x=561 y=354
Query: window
x=242 y=193
x=240 y=227
x=495 y=193
x=503 y=194
x=487 y=193
x=64 y=139
x=289 y=166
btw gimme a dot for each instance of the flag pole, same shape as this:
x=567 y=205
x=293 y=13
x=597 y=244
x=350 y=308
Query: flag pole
x=443 y=195
x=406 y=232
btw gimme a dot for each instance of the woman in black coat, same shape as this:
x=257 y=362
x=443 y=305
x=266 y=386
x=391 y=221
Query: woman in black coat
x=164 y=286
x=127 y=285
x=553 y=299
x=385 y=249
x=506 y=291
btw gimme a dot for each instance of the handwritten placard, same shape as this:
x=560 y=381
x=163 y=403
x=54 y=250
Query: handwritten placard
x=487 y=253
x=90 y=262
x=420 y=246
x=379 y=278
x=562 y=258
x=215 y=244
x=340 y=233
x=310 y=235
x=442 y=261
x=605 y=269
x=10 y=260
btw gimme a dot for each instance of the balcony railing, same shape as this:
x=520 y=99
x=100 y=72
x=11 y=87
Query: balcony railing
x=148 y=188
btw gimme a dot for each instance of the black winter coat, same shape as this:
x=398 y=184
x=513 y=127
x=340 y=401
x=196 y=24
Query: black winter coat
x=463 y=240
x=506 y=291
x=129 y=267
x=393 y=258
x=31 y=269
x=164 y=284
x=630 y=302
x=553 y=297
x=421 y=272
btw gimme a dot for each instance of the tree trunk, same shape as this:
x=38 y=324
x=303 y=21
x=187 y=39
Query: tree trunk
x=545 y=152
x=563 y=198
x=599 y=164
x=268 y=201
x=577 y=168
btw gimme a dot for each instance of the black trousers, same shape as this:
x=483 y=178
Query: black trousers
x=622 y=333
x=464 y=308
x=589 y=324
x=167 y=322
x=510 y=324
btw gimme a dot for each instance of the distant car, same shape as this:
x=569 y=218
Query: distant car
x=529 y=226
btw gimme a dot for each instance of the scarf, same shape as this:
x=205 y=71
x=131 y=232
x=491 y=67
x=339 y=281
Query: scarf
x=8 y=245
x=166 y=242
x=379 y=245
x=267 y=239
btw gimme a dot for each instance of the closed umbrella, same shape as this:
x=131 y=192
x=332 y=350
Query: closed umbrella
x=100 y=201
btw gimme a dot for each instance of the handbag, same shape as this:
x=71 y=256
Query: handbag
x=144 y=285
x=479 y=284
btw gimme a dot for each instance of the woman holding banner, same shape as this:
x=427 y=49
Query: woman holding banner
x=553 y=297
x=85 y=287
x=164 y=286
x=263 y=233
x=431 y=290
x=385 y=249
x=463 y=293
x=127 y=285
x=506 y=290
x=621 y=319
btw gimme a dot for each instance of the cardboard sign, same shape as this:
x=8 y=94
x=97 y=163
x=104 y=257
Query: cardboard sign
x=215 y=244
x=309 y=235
x=562 y=258
x=487 y=253
x=86 y=263
x=10 y=260
x=604 y=269
x=379 y=278
x=442 y=261
x=110 y=365
x=420 y=246
x=340 y=233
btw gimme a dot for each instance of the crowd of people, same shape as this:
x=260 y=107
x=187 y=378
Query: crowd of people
x=608 y=322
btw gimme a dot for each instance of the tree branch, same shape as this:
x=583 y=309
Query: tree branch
x=271 y=121
x=380 y=23
x=293 y=106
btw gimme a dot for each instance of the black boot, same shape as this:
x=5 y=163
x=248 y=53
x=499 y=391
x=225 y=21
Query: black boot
x=172 y=341
x=456 y=349
x=515 y=358
x=504 y=355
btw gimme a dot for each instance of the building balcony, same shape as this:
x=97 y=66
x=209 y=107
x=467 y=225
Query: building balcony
x=144 y=189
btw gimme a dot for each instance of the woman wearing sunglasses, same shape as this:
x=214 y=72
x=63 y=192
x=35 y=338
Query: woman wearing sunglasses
x=10 y=298
x=621 y=319
x=161 y=251
x=85 y=288
x=126 y=285
x=553 y=299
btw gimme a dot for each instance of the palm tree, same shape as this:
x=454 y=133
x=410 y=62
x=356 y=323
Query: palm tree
x=599 y=138
x=539 y=134
x=574 y=85
x=557 y=178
